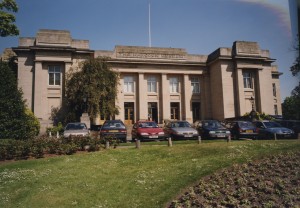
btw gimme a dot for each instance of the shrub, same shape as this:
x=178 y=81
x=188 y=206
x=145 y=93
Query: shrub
x=59 y=128
x=15 y=121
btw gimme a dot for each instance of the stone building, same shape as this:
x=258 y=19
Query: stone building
x=155 y=83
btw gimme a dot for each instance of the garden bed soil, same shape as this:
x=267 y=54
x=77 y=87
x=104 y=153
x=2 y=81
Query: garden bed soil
x=270 y=182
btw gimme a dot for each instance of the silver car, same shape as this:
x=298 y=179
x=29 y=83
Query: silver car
x=76 y=129
x=180 y=130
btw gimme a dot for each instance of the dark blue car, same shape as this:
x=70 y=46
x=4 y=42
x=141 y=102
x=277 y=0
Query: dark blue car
x=209 y=129
x=268 y=129
x=242 y=129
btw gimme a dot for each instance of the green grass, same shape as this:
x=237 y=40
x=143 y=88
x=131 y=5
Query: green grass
x=124 y=177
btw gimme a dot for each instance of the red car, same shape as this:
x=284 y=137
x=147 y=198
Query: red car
x=147 y=130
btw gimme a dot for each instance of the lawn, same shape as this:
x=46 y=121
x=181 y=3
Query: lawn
x=150 y=176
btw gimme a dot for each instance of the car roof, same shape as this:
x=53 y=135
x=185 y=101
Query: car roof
x=76 y=123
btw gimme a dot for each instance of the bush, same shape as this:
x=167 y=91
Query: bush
x=15 y=121
x=37 y=147
x=59 y=128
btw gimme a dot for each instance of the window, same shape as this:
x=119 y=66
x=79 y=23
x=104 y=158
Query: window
x=128 y=84
x=54 y=75
x=195 y=85
x=274 y=89
x=151 y=82
x=174 y=85
x=275 y=110
x=247 y=76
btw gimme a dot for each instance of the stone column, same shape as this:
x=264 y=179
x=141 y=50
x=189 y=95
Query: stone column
x=187 y=97
x=142 y=97
x=38 y=90
x=85 y=118
x=165 y=97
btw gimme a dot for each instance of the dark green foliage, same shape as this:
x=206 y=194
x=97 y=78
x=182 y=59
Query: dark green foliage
x=290 y=106
x=95 y=81
x=295 y=69
x=58 y=128
x=39 y=146
x=16 y=121
x=7 y=20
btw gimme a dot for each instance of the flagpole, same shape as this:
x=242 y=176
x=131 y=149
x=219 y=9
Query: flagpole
x=149 y=25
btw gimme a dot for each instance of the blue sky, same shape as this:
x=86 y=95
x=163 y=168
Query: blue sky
x=199 y=26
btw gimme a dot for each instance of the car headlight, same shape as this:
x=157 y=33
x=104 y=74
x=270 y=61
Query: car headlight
x=144 y=133
x=177 y=133
x=227 y=132
x=161 y=133
x=212 y=132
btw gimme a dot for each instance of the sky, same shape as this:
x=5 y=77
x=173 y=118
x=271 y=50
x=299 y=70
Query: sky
x=199 y=26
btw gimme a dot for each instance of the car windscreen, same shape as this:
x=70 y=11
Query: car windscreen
x=180 y=124
x=272 y=124
x=246 y=125
x=113 y=125
x=212 y=124
x=75 y=127
x=148 y=125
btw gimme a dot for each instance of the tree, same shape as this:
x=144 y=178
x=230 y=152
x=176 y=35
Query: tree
x=16 y=122
x=95 y=81
x=291 y=105
x=295 y=69
x=7 y=20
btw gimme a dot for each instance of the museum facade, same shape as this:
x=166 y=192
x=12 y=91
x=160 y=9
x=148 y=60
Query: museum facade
x=155 y=83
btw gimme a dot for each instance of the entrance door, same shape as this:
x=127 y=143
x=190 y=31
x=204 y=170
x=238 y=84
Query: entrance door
x=129 y=113
x=152 y=112
x=196 y=111
x=175 y=111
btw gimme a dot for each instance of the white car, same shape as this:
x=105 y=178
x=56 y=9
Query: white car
x=76 y=129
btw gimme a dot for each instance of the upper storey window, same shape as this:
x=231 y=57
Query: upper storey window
x=274 y=89
x=195 y=85
x=174 y=85
x=151 y=82
x=54 y=75
x=128 y=84
x=248 y=80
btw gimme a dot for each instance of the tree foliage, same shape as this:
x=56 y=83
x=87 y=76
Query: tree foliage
x=291 y=105
x=295 y=69
x=16 y=121
x=7 y=20
x=95 y=81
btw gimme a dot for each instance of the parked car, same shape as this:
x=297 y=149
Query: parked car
x=213 y=129
x=147 y=130
x=267 y=129
x=114 y=129
x=242 y=129
x=291 y=124
x=76 y=129
x=180 y=130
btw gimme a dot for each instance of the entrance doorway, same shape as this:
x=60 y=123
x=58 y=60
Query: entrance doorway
x=129 y=113
x=175 y=113
x=152 y=112
x=196 y=106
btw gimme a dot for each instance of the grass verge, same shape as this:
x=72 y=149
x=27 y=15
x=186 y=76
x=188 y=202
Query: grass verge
x=124 y=177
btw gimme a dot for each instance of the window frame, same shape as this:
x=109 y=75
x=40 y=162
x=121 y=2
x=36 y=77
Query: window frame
x=195 y=85
x=248 y=80
x=274 y=89
x=152 y=84
x=174 y=84
x=54 y=71
x=126 y=81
